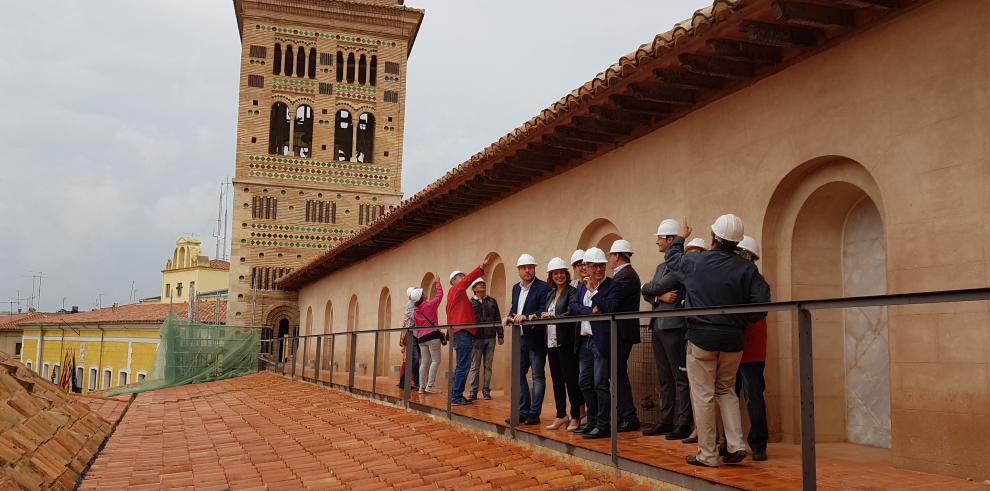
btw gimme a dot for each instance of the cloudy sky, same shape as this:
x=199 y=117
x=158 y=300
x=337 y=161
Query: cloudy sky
x=119 y=118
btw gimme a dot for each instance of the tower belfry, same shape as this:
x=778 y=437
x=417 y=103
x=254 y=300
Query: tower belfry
x=319 y=138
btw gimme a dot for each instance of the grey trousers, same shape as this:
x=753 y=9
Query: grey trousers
x=482 y=355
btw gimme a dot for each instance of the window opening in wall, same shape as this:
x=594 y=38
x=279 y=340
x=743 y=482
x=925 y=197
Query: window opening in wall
x=141 y=377
x=265 y=278
x=392 y=67
x=122 y=378
x=290 y=60
x=107 y=375
x=362 y=70
x=303 y=132
x=301 y=62
x=264 y=207
x=256 y=81
x=373 y=71
x=326 y=59
x=350 y=68
x=325 y=89
x=343 y=136
x=57 y=374
x=391 y=96
x=178 y=290
x=365 y=138
x=17 y=349
x=168 y=290
x=92 y=379
x=321 y=211
x=258 y=51
x=79 y=377
x=340 y=66
x=277 y=61
x=312 y=62
x=278 y=130
x=29 y=365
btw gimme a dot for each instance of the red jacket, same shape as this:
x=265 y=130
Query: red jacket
x=459 y=309
x=755 y=342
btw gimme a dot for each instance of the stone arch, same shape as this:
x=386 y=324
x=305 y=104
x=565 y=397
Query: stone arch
x=384 y=322
x=600 y=233
x=328 y=317
x=823 y=237
x=182 y=257
x=498 y=288
x=353 y=320
x=284 y=321
x=428 y=284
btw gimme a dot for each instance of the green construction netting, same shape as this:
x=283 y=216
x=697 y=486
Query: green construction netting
x=192 y=352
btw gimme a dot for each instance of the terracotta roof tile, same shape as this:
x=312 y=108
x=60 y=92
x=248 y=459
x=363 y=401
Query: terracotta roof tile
x=135 y=313
x=219 y=264
x=11 y=322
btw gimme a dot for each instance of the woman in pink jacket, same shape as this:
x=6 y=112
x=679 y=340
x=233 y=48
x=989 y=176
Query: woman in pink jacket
x=429 y=337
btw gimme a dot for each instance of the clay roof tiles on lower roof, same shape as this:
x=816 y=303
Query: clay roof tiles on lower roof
x=135 y=313
x=12 y=322
x=664 y=51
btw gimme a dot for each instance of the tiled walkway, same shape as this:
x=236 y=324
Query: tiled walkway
x=110 y=408
x=265 y=432
x=840 y=466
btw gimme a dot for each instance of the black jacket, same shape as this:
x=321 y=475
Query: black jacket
x=664 y=281
x=487 y=311
x=714 y=278
x=535 y=336
x=565 y=330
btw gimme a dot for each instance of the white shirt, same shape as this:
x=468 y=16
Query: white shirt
x=552 y=328
x=523 y=293
x=586 y=325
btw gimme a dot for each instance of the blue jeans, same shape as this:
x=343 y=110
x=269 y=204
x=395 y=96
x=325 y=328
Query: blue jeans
x=463 y=343
x=602 y=389
x=530 y=406
x=586 y=377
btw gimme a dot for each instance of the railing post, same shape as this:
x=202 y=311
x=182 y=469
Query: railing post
x=450 y=371
x=305 y=350
x=352 y=363
x=374 y=366
x=293 y=347
x=319 y=357
x=333 y=341
x=407 y=373
x=613 y=383
x=514 y=378
x=806 y=376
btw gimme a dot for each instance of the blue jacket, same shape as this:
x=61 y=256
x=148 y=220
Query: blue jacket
x=599 y=329
x=535 y=336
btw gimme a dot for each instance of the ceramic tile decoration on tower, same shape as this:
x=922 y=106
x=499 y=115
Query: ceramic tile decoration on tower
x=319 y=138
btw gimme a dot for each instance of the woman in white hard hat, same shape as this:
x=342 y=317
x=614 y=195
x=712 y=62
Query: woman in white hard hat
x=428 y=336
x=409 y=323
x=560 y=347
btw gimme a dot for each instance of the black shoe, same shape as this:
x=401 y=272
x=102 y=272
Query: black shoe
x=679 y=433
x=460 y=401
x=596 y=434
x=690 y=440
x=660 y=429
x=723 y=451
x=759 y=455
x=693 y=460
x=735 y=457
x=532 y=420
x=629 y=425
x=522 y=420
x=473 y=396
x=487 y=396
x=585 y=429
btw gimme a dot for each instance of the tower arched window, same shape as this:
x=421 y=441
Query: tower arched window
x=302 y=132
x=365 y=138
x=343 y=136
x=277 y=62
x=363 y=70
x=312 y=62
x=373 y=71
x=340 y=66
x=301 y=62
x=350 y=68
x=289 y=60
x=278 y=130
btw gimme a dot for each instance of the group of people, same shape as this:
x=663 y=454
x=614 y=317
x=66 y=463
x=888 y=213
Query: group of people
x=701 y=360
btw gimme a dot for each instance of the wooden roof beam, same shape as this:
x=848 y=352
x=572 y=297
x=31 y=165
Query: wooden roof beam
x=732 y=49
x=602 y=126
x=688 y=80
x=717 y=67
x=663 y=95
x=634 y=104
x=813 y=15
x=615 y=114
x=545 y=150
x=558 y=140
x=881 y=4
x=783 y=36
x=548 y=155
x=583 y=135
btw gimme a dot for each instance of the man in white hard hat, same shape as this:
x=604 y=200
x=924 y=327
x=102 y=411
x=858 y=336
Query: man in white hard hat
x=527 y=300
x=578 y=267
x=483 y=350
x=461 y=313
x=715 y=342
x=409 y=324
x=626 y=299
x=665 y=292
x=592 y=345
x=696 y=244
x=750 y=380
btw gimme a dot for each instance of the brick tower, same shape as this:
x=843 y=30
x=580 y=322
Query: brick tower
x=319 y=138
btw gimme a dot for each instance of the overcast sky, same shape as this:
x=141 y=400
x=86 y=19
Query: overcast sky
x=120 y=115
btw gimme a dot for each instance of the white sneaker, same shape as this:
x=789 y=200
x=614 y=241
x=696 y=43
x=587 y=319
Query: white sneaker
x=431 y=390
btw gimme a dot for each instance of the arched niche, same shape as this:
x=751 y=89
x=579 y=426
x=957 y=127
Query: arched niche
x=328 y=317
x=600 y=233
x=385 y=338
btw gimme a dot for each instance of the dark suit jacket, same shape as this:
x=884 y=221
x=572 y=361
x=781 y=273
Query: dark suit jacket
x=623 y=296
x=535 y=336
x=599 y=329
x=565 y=330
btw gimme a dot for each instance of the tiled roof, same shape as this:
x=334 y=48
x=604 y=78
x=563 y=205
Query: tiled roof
x=47 y=437
x=109 y=408
x=718 y=50
x=12 y=322
x=134 y=313
x=265 y=432
x=219 y=264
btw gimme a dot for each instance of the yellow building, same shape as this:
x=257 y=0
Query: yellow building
x=112 y=346
x=188 y=269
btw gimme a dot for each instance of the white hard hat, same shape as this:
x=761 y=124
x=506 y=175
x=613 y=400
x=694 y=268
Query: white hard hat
x=697 y=242
x=555 y=264
x=416 y=295
x=453 y=274
x=668 y=227
x=750 y=245
x=577 y=257
x=728 y=227
x=475 y=282
x=621 y=245
x=526 y=260
x=595 y=255
x=409 y=291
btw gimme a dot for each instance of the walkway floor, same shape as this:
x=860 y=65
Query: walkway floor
x=840 y=466
x=265 y=432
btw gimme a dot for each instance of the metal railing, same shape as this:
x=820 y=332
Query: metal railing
x=802 y=308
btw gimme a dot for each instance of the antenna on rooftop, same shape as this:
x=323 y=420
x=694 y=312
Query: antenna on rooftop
x=223 y=209
x=133 y=296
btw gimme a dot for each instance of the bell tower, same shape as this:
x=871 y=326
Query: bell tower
x=319 y=137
